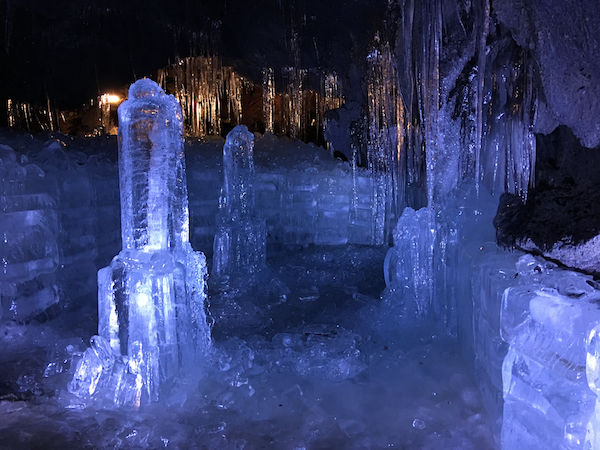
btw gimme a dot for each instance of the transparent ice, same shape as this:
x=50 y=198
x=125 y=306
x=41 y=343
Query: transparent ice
x=314 y=356
x=240 y=239
x=151 y=298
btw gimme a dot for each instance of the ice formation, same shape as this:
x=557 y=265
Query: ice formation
x=312 y=356
x=240 y=239
x=29 y=246
x=268 y=84
x=199 y=84
x=318 y=317
x=550 y=371
x=151 y=298
x=385 y=148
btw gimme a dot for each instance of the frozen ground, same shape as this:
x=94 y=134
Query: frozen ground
x=301 y=368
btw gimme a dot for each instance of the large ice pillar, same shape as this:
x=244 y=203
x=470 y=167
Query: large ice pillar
x=151 y=297
x=240 y=240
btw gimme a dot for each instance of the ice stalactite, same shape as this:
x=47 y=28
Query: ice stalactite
x=33 y=117
x=151 y=298
x=332 y=87
x=509 y=101
x=293 y=114
x=332 y=97
x=297 y=111
x=486 y=106
x=268 y=85
x=468 y=115
x=429 y=90
x=104 y=105
x=207 y=91
x=12 y=120
x=294 y=79
x=463 y=91
x=385 y=142
x=232 y=93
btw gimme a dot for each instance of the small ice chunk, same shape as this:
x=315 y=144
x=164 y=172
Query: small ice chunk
x=419 y=424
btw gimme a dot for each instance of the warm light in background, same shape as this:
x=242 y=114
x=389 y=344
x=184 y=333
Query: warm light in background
x=110 y=98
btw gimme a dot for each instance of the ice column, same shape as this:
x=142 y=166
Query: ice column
x=151 y=297
x=269 y=99
x=408 y=266
x=386 y=119
x=240 y=240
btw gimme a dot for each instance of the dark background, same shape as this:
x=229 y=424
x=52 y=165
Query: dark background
x=68 y=51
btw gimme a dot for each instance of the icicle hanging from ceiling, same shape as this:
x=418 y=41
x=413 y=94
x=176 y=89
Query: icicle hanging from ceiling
x=384 y=153
x=207 y=91
x=269 y=99
x=468 y=98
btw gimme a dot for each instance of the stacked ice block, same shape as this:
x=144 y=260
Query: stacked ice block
x=493 y=272
x=550 y=372
x=77 y=218
x=29 y=227
x=299 y=207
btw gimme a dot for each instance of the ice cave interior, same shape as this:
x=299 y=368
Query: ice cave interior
x=291 y=224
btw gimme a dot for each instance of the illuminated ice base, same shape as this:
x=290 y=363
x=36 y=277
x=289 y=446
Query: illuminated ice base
x=151 y=322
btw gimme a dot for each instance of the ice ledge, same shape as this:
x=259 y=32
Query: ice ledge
x=583 y=256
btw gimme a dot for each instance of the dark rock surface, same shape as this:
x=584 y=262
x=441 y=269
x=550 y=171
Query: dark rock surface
x=563 y=37
x=561 y=216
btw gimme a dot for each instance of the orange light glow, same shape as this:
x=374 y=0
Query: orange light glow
x=110 y=98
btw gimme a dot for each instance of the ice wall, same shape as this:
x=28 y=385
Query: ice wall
x=151 y=298
x=51 y=184
x=305 y=196
x=29 y=226
x=78 y=218
x=550 y=372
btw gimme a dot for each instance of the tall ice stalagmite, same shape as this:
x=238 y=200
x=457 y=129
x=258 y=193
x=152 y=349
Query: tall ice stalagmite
x=240 y=239
x=151 y=297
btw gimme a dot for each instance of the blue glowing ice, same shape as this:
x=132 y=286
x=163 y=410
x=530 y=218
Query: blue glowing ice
x=151 y=297
x=240 y=240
